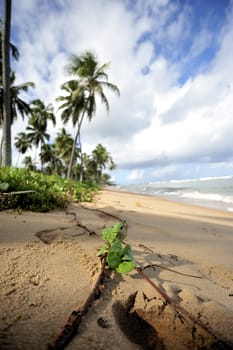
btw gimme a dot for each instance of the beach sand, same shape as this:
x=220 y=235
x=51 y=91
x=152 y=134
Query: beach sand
x=49 y=266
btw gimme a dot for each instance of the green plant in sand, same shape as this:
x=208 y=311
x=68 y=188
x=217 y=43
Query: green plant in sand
x=119 y=255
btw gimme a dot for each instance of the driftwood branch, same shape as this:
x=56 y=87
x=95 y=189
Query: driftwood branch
x=70 y=328
x=4 y=195
x=182 y=311
x=171 y=270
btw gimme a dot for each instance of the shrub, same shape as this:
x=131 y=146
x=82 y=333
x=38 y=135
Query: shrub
x=49 y=191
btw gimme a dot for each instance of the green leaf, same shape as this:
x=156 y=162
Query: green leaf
x=109 y=235
x=126 y=266
x=102 y=250
x=119 y=256
x=117 y=247
x=4 y=186
x=117 y=227
x=113 y=259
x=112 y=234
x=127 y=253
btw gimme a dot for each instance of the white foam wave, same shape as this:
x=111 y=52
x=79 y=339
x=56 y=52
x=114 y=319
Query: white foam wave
x=207 y=196
x=207 y=178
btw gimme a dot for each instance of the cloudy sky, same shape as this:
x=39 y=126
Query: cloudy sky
x=172 y=61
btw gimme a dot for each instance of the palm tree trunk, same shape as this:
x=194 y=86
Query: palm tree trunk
x=1 y=145
x=73 y=153
x=81 y=161
x=74 y=146
x=6 y=129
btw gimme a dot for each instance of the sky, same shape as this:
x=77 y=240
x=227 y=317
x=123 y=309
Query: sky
x=172 y=62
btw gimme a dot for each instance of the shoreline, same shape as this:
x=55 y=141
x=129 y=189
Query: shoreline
x=193 y=199
x=176 y=201
x=49 y=264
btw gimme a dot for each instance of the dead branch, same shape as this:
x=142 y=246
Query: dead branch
x=2 y=194
x=181 y=311
x=171 y=270
x=70 y=328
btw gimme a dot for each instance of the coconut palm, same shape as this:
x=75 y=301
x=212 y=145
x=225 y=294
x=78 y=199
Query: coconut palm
x=6 y=83
x=5 y=49
x=6 y=129
x=13 y=49
x=73 y=104
x=101 y=158
x=42 y=113
x=28 y=163
x=53 y=162
x=47 y=154
x=63 y=146
x=18 y=105
x=37 y=134
x=38 y=123
x=81 y=99
x=22 y=143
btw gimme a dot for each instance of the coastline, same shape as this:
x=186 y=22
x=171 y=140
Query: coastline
x=49 y=264
x=179 y=200
x=212 y=192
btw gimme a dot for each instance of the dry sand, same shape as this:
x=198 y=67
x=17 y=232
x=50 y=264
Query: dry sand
x=49 y=265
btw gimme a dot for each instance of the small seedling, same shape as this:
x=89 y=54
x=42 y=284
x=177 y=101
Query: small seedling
x=119 y=254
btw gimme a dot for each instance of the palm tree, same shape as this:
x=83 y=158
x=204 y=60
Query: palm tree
x=28 y=163
x=101 y=159
x=73 y=104
x=6 y=129
x=37 y=134
x=38 y=123
x=63 y=146
x=42 y=113
x=5 y=47
x=47 y=154
x=13 y=49
x=81 y=99
x=23 y=142
x=18 y=106
x=89 y=168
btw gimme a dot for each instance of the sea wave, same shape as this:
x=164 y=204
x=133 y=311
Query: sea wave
x=215 y=192
x=195 y=180
x=208 y=196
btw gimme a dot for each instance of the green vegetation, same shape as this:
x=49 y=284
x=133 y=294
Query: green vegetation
x=90 y=80
x=119 y=255
x=50 y=191
x=51 y=175
x=54 y=157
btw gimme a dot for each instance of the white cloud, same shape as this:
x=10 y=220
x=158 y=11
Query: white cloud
x=165 y=171
x=136 y=174
x=157 y=120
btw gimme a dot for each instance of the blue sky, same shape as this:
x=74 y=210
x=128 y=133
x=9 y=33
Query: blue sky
x=171 y=60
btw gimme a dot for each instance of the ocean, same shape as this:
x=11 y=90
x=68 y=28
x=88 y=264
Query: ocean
x=212 y=192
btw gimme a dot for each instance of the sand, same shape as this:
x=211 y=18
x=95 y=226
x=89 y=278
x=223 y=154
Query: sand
x=49 y=266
